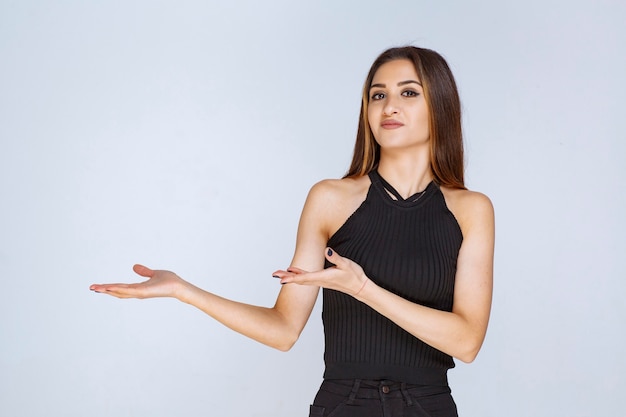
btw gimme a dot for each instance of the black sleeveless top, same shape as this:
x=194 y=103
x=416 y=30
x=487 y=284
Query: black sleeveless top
x=409 y=247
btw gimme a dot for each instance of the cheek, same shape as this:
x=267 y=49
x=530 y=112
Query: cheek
x=371 y=119
x=370 y=113
x=423 y=119
x=421 y=125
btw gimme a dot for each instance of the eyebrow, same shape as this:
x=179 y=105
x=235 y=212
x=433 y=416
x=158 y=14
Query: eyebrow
x=401 y=83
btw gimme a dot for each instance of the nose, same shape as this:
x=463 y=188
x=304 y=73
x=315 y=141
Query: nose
x=390 y=107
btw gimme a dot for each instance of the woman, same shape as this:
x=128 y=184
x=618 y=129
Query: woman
x=402 y=250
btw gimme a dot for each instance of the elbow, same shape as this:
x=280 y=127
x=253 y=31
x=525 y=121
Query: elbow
x=284 y=347
x=469 y=352
x=467 y=357
x=284 y=335
x=286 y=343
x=469 y=344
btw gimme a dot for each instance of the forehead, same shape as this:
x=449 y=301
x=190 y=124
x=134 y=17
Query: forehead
x=395 y=71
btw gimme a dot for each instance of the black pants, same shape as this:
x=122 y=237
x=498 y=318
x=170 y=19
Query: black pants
x=366 y=398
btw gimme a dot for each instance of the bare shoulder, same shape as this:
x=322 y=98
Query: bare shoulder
x=338 y=190
x=334 y=200
x=470 y=208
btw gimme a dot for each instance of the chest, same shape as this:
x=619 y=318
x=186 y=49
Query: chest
x=409 y=251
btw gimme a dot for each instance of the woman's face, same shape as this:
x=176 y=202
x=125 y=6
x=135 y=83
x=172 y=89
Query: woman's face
x=397 y=111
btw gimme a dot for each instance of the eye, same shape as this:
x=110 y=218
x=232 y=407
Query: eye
x=410 y=93
x=378 y=96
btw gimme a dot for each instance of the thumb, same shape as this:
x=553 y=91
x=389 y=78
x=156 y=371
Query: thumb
x=332 y=256
x=144 y=271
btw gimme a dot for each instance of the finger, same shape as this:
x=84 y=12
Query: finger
x=296 y=270
x=291 y=270
x=99 y=287
x=283 y=276
x=279 y=274
x=144 y=271
x=333 y=256
x=117 y=290
x=306 y=278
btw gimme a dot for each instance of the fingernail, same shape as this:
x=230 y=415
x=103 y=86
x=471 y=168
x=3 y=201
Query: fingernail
x=330 y=252
x=275 y=276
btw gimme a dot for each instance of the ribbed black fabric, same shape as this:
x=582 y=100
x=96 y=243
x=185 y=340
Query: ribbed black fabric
x=410 y=247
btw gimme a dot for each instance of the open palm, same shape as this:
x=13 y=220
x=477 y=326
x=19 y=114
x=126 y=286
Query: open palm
x=160 y=283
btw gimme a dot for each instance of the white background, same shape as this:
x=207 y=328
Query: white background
x=185 y=135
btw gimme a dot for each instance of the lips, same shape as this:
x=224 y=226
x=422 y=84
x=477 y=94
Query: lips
x=391 y=124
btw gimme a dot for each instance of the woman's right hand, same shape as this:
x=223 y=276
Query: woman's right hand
x=159 y=284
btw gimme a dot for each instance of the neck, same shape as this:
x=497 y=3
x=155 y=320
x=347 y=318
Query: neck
x=407 y=173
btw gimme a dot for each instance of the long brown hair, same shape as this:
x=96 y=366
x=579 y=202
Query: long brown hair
x=444 y=106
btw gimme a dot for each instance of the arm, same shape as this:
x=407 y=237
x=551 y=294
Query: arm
x=459 y=333
x=278 y=326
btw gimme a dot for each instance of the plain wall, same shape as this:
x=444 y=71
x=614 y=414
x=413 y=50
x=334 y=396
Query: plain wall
x=185 y=135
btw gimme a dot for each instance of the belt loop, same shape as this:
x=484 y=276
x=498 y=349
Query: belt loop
x=355 y=389
x=405 y=394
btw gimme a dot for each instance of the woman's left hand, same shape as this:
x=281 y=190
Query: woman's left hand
x=346 y=276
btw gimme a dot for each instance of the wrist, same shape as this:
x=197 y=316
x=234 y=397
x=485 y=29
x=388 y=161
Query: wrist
x=365 y=281
x=183 y=291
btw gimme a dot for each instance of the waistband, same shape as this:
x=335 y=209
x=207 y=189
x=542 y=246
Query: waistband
x=368 y=389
